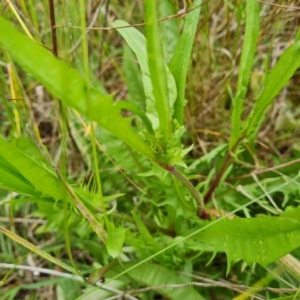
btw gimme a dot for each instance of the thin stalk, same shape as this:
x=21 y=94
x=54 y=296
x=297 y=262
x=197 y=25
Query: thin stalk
x=189 y=186
x=53 y=27
x=86 y=71
x=217 y=179
x=64 y=129
x=221 y=172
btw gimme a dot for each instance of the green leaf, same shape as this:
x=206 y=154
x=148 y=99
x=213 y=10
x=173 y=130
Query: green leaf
x=284 y=69
x=37 y=175
x=154 y=275
x=44 y=181
x=169 y=30
x=246 y=63
x=263 y=239
x=136 y=110
x=113 y=197
x=147 y=237
x=10 y=177
x=217 y=152
x=115 y=239
x=97 y=274
x=70 y=289
x=138 y=44
x=133 y=78
x=66 y=84
x=13 y=181
x=181 y=57
x=39 y=200
x=36 y=250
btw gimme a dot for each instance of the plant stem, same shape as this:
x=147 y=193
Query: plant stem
x=221 y=171
x=189 y=186
x=217 y=178
x=53 y=28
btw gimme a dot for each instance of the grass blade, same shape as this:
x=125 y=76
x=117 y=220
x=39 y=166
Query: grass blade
x=246 y=63
x=36 y=250
x=181 y=57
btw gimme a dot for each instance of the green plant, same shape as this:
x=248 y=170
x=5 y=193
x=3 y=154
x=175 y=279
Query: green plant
x=179 y=232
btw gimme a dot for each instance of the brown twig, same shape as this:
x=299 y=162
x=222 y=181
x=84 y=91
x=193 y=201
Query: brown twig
x=180 y=13
x=272 y=169
x=53 y=27
x=279 y=5
x=213 y=285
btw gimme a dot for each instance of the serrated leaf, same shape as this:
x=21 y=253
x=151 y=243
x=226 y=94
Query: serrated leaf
x=263 y=239
x=66 y=84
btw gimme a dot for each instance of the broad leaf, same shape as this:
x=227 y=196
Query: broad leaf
x=133 y=78
x=34 y=174
x=13 y=181
x=138 y=44
x=66 y=84
x=263 y=239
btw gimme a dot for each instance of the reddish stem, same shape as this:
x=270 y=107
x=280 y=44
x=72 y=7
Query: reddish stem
x=53 y=27
x=221 y=172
